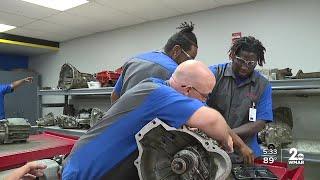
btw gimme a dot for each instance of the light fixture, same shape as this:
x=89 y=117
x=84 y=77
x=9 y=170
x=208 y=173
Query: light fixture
x=60 y=5
x=4 y=27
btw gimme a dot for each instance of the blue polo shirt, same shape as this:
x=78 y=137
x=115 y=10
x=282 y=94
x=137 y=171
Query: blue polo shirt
x=4 y=89
x=230 y=88
x=151 y=64
x=112 y=139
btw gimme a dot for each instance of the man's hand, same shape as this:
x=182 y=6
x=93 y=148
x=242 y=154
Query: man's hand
x=28 y=79
x=247 y=154
x=29 y=171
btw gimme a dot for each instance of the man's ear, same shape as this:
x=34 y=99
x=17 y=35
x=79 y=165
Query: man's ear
x=176 y=51
x=232 y=56
x=187 y=90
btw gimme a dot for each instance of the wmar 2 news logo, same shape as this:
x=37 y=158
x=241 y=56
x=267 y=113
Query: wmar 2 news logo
x=269 y=156
x=296 y=157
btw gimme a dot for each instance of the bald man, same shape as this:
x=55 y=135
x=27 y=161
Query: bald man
x=108 y=149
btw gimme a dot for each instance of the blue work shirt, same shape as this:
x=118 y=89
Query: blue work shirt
x=233 y=96
x=4 y=89
x=155 y=64
x=109 y=142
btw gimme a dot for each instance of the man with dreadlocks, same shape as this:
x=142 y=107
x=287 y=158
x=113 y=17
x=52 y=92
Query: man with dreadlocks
x=180 y=47
x=242 y=95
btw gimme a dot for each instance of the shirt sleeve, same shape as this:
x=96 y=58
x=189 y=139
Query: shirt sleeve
x=6 y=88
x=264 y=105
x=118 y=86
x=174 y=108
x=214 y=69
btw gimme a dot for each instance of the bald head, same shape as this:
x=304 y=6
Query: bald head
x=194 y=74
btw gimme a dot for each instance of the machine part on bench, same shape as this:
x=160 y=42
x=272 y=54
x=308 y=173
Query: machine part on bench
x=107 y=78
x=301 y=75
x=96 y=116
x=278 y=133
x=67 y=122
x=281 y=73
x=47 y=120
x=168 y=153
x=276 y=74
x=14 y=130
x=71 y=78
x=255 y=172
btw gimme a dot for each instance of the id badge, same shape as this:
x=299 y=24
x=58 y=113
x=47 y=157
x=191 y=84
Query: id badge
x=252 y=114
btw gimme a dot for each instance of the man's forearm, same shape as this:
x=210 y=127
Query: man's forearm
x=249 y=129
x=17 y=83
x=237 y=141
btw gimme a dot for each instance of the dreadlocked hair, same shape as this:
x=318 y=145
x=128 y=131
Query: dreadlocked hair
x=185 y=38
x=249 y=44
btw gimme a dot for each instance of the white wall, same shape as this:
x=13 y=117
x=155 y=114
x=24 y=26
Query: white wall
x=289 y=29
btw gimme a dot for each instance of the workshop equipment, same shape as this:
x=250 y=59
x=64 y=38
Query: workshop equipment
x=169 y=153
x=14 y=130
x=301 y=75
x=71 y=78
x=108 y=78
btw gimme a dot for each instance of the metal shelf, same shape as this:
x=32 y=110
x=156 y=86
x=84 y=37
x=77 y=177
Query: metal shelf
x=298 y=87
x=83 y=91
x=105 y=91
x=295 y=84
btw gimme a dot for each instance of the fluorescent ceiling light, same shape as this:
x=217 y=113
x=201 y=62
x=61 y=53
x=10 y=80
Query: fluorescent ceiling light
x=60 y=5
x=4 y=27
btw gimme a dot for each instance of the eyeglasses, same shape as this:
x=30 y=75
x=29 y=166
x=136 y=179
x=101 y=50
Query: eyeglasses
x=204 y=96
x=189 y=57
x=248 y=63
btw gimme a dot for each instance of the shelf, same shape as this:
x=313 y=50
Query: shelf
x=297 y=87
x=83 y=91
x=295 y=84
x=304 y=86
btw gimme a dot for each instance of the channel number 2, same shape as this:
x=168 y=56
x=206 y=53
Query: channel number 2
x=294 y=155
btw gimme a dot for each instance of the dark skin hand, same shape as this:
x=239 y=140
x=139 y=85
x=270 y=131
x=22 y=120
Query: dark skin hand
x=246 y=152
x=249 y=129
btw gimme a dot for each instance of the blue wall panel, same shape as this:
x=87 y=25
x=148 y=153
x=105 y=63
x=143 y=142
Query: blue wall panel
x=8 y=62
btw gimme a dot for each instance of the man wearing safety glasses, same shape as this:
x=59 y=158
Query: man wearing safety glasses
x=242 y=95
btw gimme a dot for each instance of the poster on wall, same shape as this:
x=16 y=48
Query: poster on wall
x=235 y=36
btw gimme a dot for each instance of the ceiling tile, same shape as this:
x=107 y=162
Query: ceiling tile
x=69 y=20
x=189 y=6
x=14 y=20
x=47 y=27
x=146 y=9
x=96 y=16
x=26 y=9
x=105 y=14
